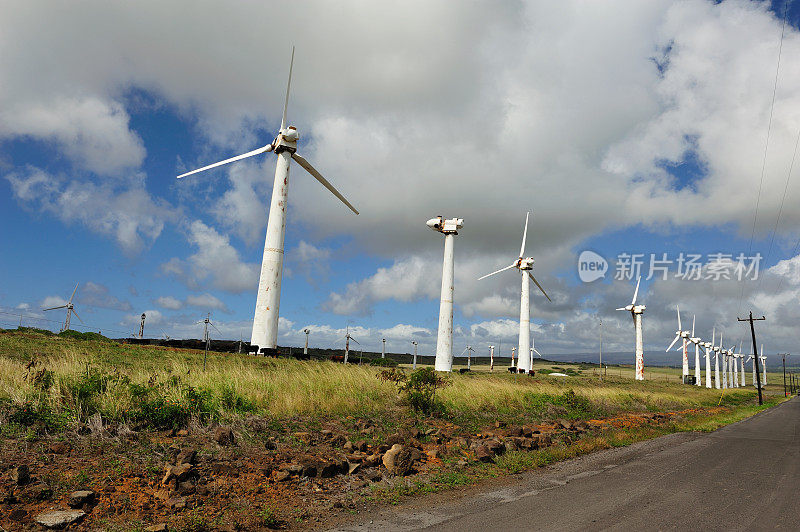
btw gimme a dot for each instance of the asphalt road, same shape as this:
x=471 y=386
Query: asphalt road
x=743 y=476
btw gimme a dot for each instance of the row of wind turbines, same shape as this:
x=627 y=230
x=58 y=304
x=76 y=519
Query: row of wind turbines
x=265 y=320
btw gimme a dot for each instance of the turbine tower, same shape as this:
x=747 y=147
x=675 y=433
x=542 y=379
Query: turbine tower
x=680 y=334
x=265 y=320
x=415 y=354
x=524 y=265
x=708 y=346
x=70 y=310
x=696 y=341
x=141 y=327
x=716 y=349
x=305 y=349
x=491 y=358
x=636 y=312
x=444 y=342
x=763 y=359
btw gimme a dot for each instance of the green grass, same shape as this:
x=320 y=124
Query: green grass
x=75 y=376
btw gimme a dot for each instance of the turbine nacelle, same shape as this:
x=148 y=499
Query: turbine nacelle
x=449 y=226
x=524 y=263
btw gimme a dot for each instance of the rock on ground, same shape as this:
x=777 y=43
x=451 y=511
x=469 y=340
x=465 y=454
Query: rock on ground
x=59 y=518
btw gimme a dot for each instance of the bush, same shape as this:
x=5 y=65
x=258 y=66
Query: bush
x=36 y=414
x=84 y=336
x=419 y=388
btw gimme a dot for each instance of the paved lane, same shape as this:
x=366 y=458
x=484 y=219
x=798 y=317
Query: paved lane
x=744 y=476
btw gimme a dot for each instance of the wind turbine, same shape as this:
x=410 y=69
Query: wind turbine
x=513 y=353
x=680 y=334
x=716 y=349
x=524 y=265
x=305 y=348
x=444 y=341
x=265 y=321
x=70 y=310
x=763 y=359
x=741 y=367
x=533 y=349
x=347 y=339
x=415 y=354
x=491 y=358
x=636 y=312
x=708 y=346
x=724 y=353
x=696 y=341
x=207 y=340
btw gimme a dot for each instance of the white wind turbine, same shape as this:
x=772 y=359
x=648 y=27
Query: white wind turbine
x=708 y=346
x=741 y=367
x=763 y=359
x=444 y=341
x=680 y=334
x=265 y=320
x=723 y=353
x=70 y=310
x=697 y=342
x=491 y=358
x=716 y=349
x=524 y=265
x=636 y=312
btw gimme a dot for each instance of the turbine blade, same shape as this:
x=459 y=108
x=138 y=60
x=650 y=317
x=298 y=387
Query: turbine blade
x=680 y=328
x=313 y=171
x=356 y=341
x=288 y=86
x=673 y=343
x=693 y=317
x=540 y=286
x=714 y=337
x=524 y=236
x=54 y=308
x=537 y=352
x=76 y=315
x=636 y=292
x=73 y=293
x=498 y=271
x=263 y=149
x=622 y=308
x=215 y=327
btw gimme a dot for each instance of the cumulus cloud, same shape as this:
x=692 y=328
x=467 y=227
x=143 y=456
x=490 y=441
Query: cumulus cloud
x=169 y=303
x=206 y=301
x=216 y=259
x=98 y=295
x=129 y=215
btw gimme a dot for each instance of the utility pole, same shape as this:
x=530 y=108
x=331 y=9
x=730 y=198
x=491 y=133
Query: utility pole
x=205 y=336
x=784 y=355
x=751 y=319
x=601 y=350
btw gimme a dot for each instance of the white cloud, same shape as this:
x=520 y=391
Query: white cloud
x=53 y=301
x=154 y=317
x=129 y=215
x=216 y=259
x=169 y=303
x=98 y=295
x=206 y=301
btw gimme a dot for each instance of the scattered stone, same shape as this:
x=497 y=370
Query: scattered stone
x=433 y=454
x=566 y=425
x=515 y=431
x=304 y=437
x=398 y=460
x=496 y=447
x=483 y=454
x=161 y=495
x=224 y=436
x=186 y=487
x=178 y=472
x=161 y=527
x=177 y=503
x=353 y=468
x=367 y=431
x=374 y=476
x=95 y=423
x=281 y=476
x=326 y=433
x=394 y=439
x=348 y=446
x=59 y=518
x=78 y=498
x=308 y=468
x=20 y=475
x=187 y=456
x=372 y=460
x=360 y=445
x=499 y=424
x=59 y=447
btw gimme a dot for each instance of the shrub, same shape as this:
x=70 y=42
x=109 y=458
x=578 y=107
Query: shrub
x=419 y=388
x=383 y=362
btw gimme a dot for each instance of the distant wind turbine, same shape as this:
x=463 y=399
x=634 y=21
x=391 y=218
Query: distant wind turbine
x=636 y=313
x=70 y=310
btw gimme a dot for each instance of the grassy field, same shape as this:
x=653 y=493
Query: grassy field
x=62 y=380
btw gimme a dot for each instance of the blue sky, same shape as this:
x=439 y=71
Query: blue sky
x=557 y=110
